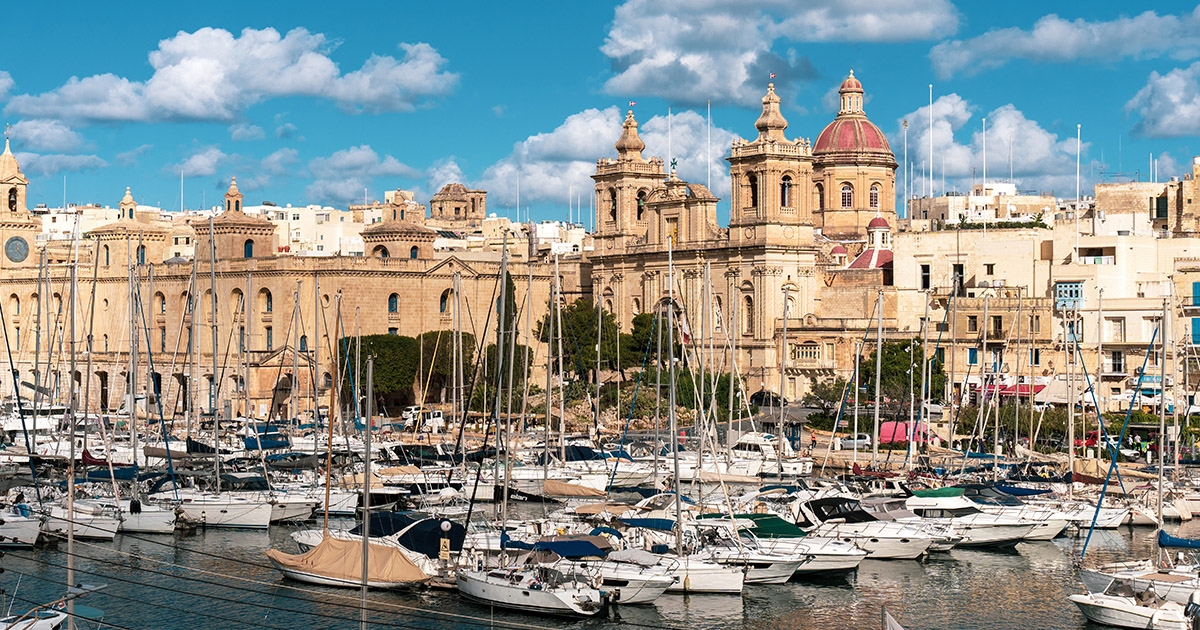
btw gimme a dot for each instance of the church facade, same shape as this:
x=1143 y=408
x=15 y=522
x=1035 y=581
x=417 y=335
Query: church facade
x=794 y=262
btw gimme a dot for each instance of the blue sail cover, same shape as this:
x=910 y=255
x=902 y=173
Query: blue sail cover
x=387 y=523
x=426 y=537
x=1018 y=491
x=266 y=442
x=1167 y=540
x=661 y=524
x=569 y=548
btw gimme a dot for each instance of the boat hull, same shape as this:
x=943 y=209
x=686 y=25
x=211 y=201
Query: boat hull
x=1123 y=613
x=560 y=601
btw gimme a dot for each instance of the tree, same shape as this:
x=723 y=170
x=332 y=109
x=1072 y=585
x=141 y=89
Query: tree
x=395 y=368
x=900 y=358
x=435 y=348
x=579 y=338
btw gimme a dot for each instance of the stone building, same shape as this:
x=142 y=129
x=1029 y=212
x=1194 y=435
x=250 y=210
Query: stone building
x=270 y=306
x=798 y=211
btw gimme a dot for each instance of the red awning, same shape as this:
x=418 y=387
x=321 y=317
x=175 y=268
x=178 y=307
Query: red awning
x=1020 y=390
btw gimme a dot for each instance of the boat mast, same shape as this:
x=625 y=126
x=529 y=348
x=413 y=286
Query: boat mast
x=782 y=412
x=71 y=403
x=562 y=381
x=214 y=384
x=366 y=522
x=878 y=378
x=671 y=392
x=1162 y=411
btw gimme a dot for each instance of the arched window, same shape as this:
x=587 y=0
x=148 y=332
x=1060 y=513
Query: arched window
x=752 y=181
x=444 y=303
x=105 y=343
x=266 y=301
x=637 y=306
x=303 y=343
x=785 y=191
x=747 y=315
x=12 y=199
x=412 y=253
x=641 y=204
x=237 y=206
x=608 y=305
x=874 y=195
x=847 y=196
x=248 y=249
x=717 y=314
x=161 y=301
x=106 y=255
x=141 y=254
x=394 y=303
x=14 y=305
x=381 y=251
x=327 y=380
x=612 y=204
x=820 y=192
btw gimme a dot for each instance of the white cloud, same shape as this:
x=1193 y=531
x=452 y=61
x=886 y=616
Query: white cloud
x=723 y=49
x=131 y=157
x=45 y=135
x=555 y=163
x=6 y=84
x=242 y=132
x=1041 y=159
x=211 y=74
x=53 y=163
x=280 y=162
x=1054 y=39
x=1169 y=104
x=285 y=131
x=203 y=163
x=442 y=172
x=343 y=176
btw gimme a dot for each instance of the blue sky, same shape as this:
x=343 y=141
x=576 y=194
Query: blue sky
x=312 y=103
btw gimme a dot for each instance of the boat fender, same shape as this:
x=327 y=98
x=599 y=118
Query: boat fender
x=1154 y=619
x=687 y=583
x=135 y=506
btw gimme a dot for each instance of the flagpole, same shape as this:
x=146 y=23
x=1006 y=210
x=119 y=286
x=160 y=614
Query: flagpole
x=708 y=148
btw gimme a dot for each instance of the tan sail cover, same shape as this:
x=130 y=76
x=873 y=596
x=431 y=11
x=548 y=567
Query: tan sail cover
x=610 y=508
x=342 y=560
x=705 y=476
x=554 y=488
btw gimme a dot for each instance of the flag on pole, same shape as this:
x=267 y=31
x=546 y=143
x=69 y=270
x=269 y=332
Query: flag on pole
x=772 y=75
x=632 y=103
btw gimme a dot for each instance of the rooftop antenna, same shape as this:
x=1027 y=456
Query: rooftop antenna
x=708 y=148
x=930 y=139
x=985 y=152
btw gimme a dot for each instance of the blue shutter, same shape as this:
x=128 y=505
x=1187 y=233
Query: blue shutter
x=1195 y=294
x=972 y=356
x=1195 y=331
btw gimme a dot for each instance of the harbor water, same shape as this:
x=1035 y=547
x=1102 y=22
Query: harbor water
x=220 y=579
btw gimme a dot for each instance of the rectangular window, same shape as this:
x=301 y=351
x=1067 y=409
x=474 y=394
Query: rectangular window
x=959 y=280
x=269 y=338
x=1116 y=362
x=972 y=323
x=989 y=268
x=972 y=356
x=242 y=338
x=1068 y=295
x=997 y=326
x=393 y=331
x=926 y=276
x=1116 y=329
x=940 y=355
x=162 y=339
x=295 y=217
x=673 y=230
x=1035 y=356
x=1075 y=332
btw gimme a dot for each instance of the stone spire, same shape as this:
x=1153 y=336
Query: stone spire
x=8 y=161
x=630 y=146
x=127 y=205
x=771 y=124
x=852 y=95
x=233 y=198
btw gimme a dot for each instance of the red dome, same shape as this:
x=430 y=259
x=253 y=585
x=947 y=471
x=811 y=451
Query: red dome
x=877 y=222
x=837 y=249
x=851 y=134
x=851 y=84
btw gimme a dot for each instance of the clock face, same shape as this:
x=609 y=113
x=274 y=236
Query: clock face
x=17 y=249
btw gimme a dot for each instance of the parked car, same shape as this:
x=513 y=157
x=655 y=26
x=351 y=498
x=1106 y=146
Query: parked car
x=1093 y=438
x=857 y=441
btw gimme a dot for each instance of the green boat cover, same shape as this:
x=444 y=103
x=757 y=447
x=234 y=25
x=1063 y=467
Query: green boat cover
x=939 y=492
